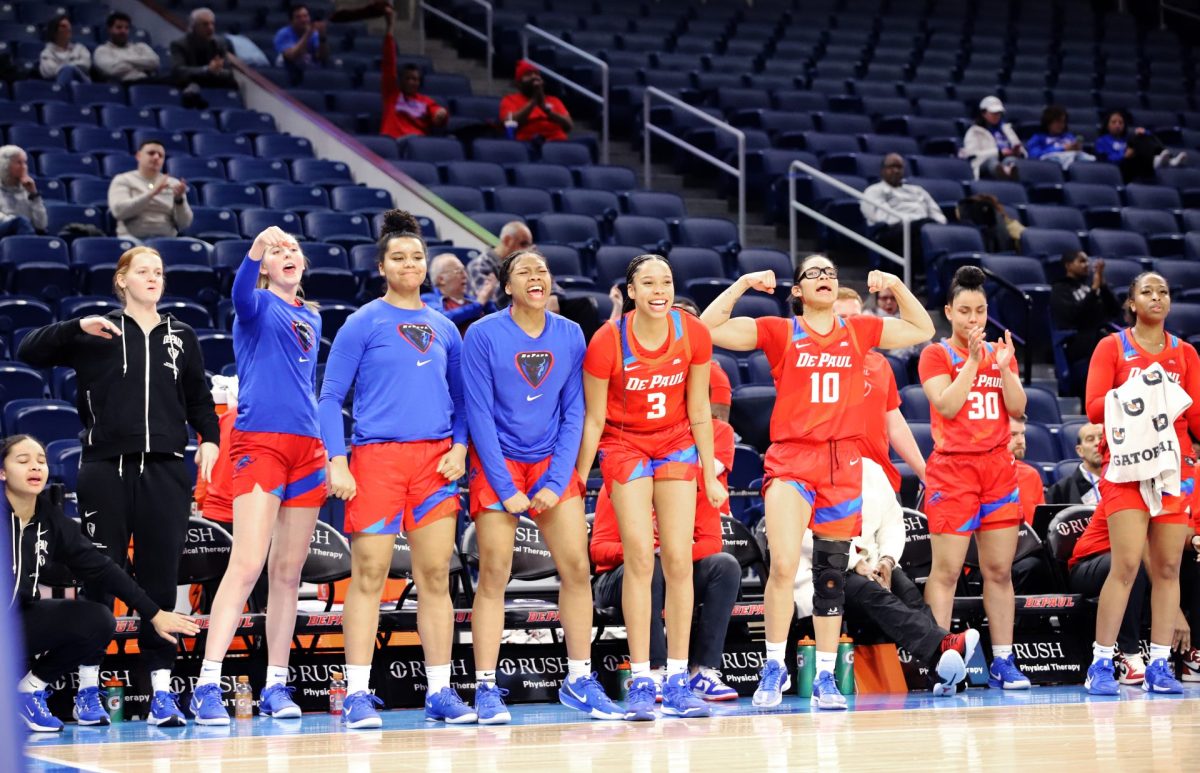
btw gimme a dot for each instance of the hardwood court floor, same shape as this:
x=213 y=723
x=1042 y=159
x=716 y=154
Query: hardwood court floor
x=1047 y=728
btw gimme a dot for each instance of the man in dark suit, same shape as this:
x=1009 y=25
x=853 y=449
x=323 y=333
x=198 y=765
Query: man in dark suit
x=1083 y=485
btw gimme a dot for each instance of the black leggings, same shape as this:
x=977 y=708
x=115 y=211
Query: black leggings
x=61 y=634
x=147 y=496
x=1087 y=578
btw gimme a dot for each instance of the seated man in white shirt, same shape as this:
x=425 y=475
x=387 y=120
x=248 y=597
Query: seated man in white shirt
x=910 y=203
x=120 y=60
x=1082 y=486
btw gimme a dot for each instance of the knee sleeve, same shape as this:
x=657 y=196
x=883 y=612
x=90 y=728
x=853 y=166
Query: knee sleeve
x=830 y=559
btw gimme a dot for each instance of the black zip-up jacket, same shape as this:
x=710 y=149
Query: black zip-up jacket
x=51 y=536
x=136 y=392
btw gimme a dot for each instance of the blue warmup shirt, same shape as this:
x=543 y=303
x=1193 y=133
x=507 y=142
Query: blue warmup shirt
x=275 y=344
x=524 y=398
x=406 y=370
x=1111 y=148
x=1042 y=144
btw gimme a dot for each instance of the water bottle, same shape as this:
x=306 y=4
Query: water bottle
x=510 y=127
x=243 y=698
x=337 y=692
x=114 y=699
x=624 y=676
x=806 y=666
x=844 y=670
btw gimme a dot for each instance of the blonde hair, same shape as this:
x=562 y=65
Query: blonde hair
x=123 y=264
x=264 y=282
x=848 y=294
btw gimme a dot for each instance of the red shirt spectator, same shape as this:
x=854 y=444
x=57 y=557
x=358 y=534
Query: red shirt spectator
x=405 y=111
x=536 y=114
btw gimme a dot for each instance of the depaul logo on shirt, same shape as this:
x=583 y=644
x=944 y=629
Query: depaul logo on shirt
x=420 y=336
x=304 y=335
x=534 y=366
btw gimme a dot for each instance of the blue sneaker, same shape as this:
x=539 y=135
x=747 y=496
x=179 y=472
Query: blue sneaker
x=826 y=695
x=358 y=711
x=639 y=705
x=1160 y=679
x=708 y=685
x=446 y=706
x=276 y=701
x=1004 y=673
x=678 y=700
x=489 y=704
x=585 y=694
x=89 y=708
x=1100 y=679
x=37 y=714
x=773 y=682
x=164 y=710
x=206 y=705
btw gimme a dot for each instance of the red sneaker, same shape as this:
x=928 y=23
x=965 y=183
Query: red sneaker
x=1191 y=666
x=951 y=668
x=1131 y=669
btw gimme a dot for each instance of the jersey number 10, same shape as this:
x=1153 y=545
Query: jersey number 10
x=826 y=387
x=983 y=405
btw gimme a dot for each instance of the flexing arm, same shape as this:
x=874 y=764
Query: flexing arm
x=914 y=325
x=741 y=333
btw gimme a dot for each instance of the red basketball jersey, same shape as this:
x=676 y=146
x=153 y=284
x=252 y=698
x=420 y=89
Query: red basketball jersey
x=647 y=390
x=881 y=397
x=981 y=424
x=819 y=381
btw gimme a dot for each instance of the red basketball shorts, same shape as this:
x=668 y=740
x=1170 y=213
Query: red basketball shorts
x=828 y=476
x=291 y=467
x=965 y=493
x=526 y=476
x=667 y=455
x=399 y=487
x=1115 y=497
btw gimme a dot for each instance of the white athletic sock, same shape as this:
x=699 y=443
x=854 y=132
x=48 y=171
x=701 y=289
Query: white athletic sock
x=486 y=677
x=578 y=668
x=358 y=679
x=826 y=662
x=1100 y=652
x=276 y=675
x=775 y=651
x=210 y=673
x=1159 y=651
x=437 y=677
x=31 y=684
x=676 y=666
x=160 y=680
x=1001 y=651
x=89 y=676
x=639 y=669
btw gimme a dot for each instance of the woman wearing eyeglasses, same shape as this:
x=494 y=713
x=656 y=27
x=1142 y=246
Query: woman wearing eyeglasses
x=813 y=470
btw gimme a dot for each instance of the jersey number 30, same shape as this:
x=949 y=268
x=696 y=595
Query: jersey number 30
x=983 y=405
x=826 y=387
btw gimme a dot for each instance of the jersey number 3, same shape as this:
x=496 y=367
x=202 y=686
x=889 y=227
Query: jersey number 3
x=826 y=387
x=983 y=405
x=658 y=405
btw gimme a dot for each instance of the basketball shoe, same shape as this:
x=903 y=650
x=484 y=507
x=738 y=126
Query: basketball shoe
x=678 y=700
x=708 y=684
x=826 y=694
x=446 y=706
x=1159 y=678
x=36 y=713
x=358 y=711
x=585 y=694
x=164 y=710
x=956 y=652
x=206 y=705
x=1100 y=680
x=1131 y=669
x=639 y=706
x=773 y=682
x=1191 y=666
x=89 y=707
x=1004 y=673
x=489 y=704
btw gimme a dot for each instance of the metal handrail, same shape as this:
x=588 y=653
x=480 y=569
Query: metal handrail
x=739 y=171
x=795 y=206
x=1164 y=7
x=600 y=99
x=485 y=35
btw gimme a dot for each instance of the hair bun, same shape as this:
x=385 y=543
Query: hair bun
x=970 y=277
x=398 y=221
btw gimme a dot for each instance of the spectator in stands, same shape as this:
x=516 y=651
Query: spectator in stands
x=1055 y=142
x=1088 y=307
x=886 y=306
x=147 y=203
x=405 y=110
x=906 y=202
x=991 y=145
x=22 y=210
x=515 y=235
x=450 y=296
x=1138 y=155
x=1029 y=480
x=534 y=113
x=199 y=57
x=1082 y=486
x=301 y=42
x=63 y=61
x=122 y=61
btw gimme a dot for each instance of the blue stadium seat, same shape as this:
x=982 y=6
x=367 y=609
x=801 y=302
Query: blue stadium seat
x=172 y=142
x=344 y=228
x=59 y=215
x=381 y=145
x=229 y=254
x=282 y=146
x=94 y=139
x=213 y=224
x=462 y=197
x=359 y=198
x=578 y=231
x=1153 y=197
x=750 y=260
x=116 y=164
x=1054 y=216
x=446 y=84
x=755 y=306
x=547 y=176
x=522 y=201
x=97 y=94
x=19 y=382
x=328 y=275
x=1108 y=243
x=259 y=171
x=420 y=171
x=1191 y=245
x=947 y=193
x=945 y=168
x=504 y=152
x=20 y=313
x=478 y=174
x=216 y=348
x=914 y=405
x=46 y=420
x=63 y=116
x=247 y=122
x=255 y=220
x=69 y=165
x=1042 y=407
x=90 y=191
x=566 y=154
x=1036 y=172
x=181 y=251
x=822 y=144
x=1183 y=277
x=1159 y=227
x=602 y=205
x=179 y=119
x=1096 y=174
x=1048 y=242
x=210 y=145
x=434 y=150
x=565 y=265
x=235 y=196
x=1184 y=319
x=124 y=117
x=713 y=232
x=688 y=263
x=611 y=263
x=655 y=204
x=196 y=169
x=649 y=233
x=153 y=95
x=188 y=312
x=890 y=143
x=608 y=178
x=93 y=250
x=843 y=123
x=1010 y=194
x=333 y=316
x=1040 y=445
x=758 y=369
x=1119 y=273
x=1101 y=204
x=297 y=198
x=39 y=91
x=319 y=171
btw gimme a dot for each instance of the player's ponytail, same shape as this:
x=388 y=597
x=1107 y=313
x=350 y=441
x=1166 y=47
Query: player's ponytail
x=398 y=224
x=966 y=279
x=635 y=265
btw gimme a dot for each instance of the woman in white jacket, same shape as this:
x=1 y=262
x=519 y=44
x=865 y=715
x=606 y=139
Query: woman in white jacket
x=990 y=144
x=63 y=61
